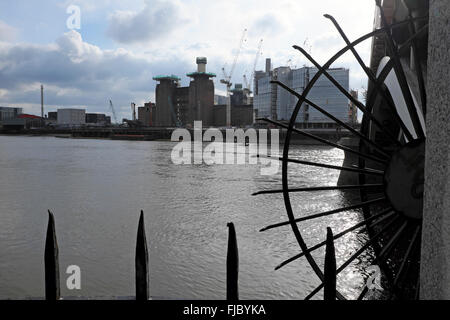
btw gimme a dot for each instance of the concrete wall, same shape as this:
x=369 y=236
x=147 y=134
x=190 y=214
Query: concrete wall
x=435 y=261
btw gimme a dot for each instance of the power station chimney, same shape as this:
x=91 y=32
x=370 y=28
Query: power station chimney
x=42 y=101
x=268 y=65
x=201 y=64
x=133 y=109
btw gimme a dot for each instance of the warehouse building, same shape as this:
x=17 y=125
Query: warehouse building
x=71 y=117
x=9 y=113
x=97 y=119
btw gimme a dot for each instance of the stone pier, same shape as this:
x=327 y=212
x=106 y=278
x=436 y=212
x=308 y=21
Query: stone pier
x=435 y=260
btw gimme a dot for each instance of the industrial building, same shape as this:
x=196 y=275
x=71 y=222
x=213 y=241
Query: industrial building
x=71 y=117
x=9 y=113
x=52 y=115
x=241 y=115
x=167 y=91
x=12 y=118
x=201 y=95
x=181 y=106
x=97 y=119
x=274 y=102
x=9 y=118
x=218 y=99
x=146 y=114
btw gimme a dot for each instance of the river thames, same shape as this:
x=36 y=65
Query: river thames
x=96 y=189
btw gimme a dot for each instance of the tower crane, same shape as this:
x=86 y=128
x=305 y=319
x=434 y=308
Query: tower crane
x=252 y=77
x=113 y=111
x=227 y=78
x=246 y=83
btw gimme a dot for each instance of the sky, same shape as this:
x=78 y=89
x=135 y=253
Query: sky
x=118 y=46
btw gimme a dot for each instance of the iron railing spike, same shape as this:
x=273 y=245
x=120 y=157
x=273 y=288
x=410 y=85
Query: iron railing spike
x=51 y=260
x=141 y=262
x=232 y=264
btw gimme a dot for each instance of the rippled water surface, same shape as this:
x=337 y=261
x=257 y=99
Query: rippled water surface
x=96 y=189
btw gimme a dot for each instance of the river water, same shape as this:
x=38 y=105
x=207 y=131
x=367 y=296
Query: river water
x=96 y=189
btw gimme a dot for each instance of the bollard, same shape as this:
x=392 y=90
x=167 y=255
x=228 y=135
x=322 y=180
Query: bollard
x=232 y=264
x=52 y=290
x=141 y=262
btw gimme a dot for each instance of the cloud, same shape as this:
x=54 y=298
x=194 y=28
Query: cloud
x=164 y=37
x=266 y=25
x=156 y=20
x=7 y=33
x=77 y=73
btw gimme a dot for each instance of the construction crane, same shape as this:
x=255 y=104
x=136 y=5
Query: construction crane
x=258 y=53
x=113 y=111
x=246 y=84
x=227 y=78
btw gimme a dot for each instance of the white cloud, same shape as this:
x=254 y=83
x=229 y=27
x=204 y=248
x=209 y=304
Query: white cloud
x=158 y=19
x=75 y=73
x=7 y=33
x=164 y=38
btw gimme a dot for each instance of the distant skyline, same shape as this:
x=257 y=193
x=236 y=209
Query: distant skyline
x=121 y=45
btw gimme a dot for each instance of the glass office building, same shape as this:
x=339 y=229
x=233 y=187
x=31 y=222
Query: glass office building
x=323 y=93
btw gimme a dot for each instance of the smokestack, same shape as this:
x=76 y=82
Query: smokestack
x=201 y=64
x=133 y=108
x=42 y=101
x=268 y=65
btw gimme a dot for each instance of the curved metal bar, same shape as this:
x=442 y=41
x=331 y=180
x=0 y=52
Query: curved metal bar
x=336 y=145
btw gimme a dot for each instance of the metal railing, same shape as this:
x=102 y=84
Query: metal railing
x=52 y=277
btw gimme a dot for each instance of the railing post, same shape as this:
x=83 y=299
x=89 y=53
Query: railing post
x=232 y=264
x=329 y=274
x=51 y=261
x=141 y=262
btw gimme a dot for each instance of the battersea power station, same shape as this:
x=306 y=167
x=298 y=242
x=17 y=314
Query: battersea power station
x=178 y=106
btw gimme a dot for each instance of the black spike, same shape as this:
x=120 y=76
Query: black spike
x=141 y=262
x=52 y=288
x=232 y=264
x=329 y=272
